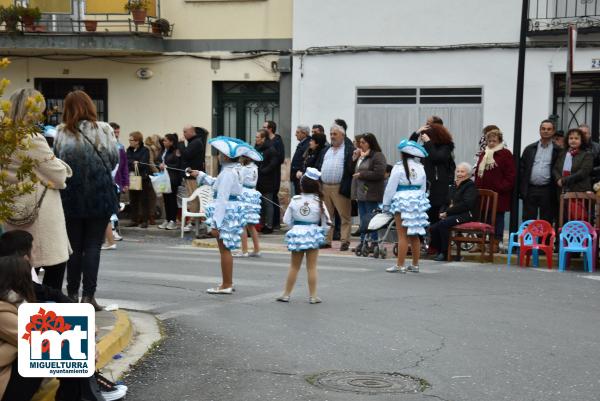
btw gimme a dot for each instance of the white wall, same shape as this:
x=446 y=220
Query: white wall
x=404 y=22
x=325 y=86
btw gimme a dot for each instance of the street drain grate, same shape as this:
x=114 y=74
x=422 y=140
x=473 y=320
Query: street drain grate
x=368 y=383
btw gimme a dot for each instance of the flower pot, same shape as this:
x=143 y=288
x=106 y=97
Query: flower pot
x=139 y=16
x=28 y=23
x=40 y=28
x=11 y=25
x=91 y=26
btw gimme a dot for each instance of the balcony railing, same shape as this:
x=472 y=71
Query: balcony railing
x=552 y=16
x=88 y=16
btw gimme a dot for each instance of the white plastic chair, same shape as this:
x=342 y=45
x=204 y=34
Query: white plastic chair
x=204 y=195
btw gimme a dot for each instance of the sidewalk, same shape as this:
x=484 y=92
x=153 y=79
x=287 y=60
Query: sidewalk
x=114 y=335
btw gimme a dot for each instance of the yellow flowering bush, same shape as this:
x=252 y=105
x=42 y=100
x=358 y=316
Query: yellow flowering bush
x=15 y=140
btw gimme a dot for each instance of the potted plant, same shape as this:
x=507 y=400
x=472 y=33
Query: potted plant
x=29 y=16
x=138 y=9
x=161 y=27
x=90 y=25
x=10 y=16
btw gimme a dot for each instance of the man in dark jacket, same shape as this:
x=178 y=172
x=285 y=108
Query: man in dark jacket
x=594 y=148
x=303 y=137
x=268 y=181
x=277 y=143
x=193 y=156
x=537 y=188
x=336 y=166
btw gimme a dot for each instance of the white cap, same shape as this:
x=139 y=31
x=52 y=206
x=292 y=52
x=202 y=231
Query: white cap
x=313 y=174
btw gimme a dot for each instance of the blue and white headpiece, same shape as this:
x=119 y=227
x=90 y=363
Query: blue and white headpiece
x=312 y=173
x=252 y=153
x=412 y=148
x=230 y=147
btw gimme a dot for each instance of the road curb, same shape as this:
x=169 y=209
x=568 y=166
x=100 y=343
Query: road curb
x=110 y=344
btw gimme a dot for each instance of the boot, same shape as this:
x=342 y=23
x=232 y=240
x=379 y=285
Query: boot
x=92 y=301
x=74 y=297
x=152 y=221
x=495 y=247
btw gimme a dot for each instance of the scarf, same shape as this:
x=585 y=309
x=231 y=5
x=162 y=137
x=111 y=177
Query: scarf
x=568 y=164
x=488 y=162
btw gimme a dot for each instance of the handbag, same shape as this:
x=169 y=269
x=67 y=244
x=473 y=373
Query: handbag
x=135 y=180
x=161 y=183
x=25 y=209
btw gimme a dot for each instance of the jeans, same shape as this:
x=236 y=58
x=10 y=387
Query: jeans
x=86 y=236
x=266 y=211
x=54 y=275
x=365 y=208
x=499 y=229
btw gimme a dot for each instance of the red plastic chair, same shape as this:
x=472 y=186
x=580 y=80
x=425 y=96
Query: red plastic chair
x=542 y=239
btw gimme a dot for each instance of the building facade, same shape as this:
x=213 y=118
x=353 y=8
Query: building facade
x=216 y=65
x=385 y=66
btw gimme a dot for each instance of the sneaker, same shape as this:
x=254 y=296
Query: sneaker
x=107 y=247
x=240 y=255
x=440 y=257
x=267 y=230
x=163 y=225
x=314 y=300
x=344 y=247
x=254 y=254
x=413 y=269
x=116 y=236
x=172 y=225
x=187 y=228
x=396 y=269
x=283 y=298
x=110 y=391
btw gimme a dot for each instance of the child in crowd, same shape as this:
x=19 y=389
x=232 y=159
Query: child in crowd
x=252 y=203
x=405 y=196
x=309 y=222
x=226 y=214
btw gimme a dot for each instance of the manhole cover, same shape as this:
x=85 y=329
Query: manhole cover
x=371 y=383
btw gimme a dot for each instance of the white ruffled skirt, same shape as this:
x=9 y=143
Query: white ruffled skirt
x=252 y=204
x=305 y=237
x=412 y=206
x=233 y=223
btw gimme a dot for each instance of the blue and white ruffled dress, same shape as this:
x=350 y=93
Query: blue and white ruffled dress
x=304 y=236
x=412 y=203
x=233 y=223
x=252 y=204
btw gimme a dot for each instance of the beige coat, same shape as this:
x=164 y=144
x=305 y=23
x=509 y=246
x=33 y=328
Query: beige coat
x=8 y=342
x=50 y=242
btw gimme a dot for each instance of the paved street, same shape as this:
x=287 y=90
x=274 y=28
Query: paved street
x=471 y=332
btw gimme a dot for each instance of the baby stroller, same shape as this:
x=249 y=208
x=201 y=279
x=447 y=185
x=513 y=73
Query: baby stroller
x=384 y=223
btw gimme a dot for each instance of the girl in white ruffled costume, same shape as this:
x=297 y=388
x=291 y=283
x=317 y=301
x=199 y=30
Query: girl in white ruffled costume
x=405 y=196
x=309 y=222
x=225 y=215
x=252 y=201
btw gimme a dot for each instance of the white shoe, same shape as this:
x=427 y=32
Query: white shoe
x=414 y=269
x=314 y=300
x=396 y=269
x=187 y=228
x=107 y=247
x=217 y=290
x=172 y=225
x=116 y=394
x=163 y=225
x=240 y=255
x=116 y=236
x=254 y=254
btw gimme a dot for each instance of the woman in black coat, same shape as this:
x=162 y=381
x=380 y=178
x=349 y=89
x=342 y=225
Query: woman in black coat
x=317 y=145
x=460 y=208
x=138 y=157
x=169 y=161
x=439 y=166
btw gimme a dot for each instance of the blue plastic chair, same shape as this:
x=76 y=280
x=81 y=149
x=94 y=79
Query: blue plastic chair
x=513 y=242
x=575 y=237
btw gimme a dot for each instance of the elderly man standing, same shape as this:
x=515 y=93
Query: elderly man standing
x=336 y=173
x=303 y=137
x=594 y=148
x=193 y=156
x=537 y=189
